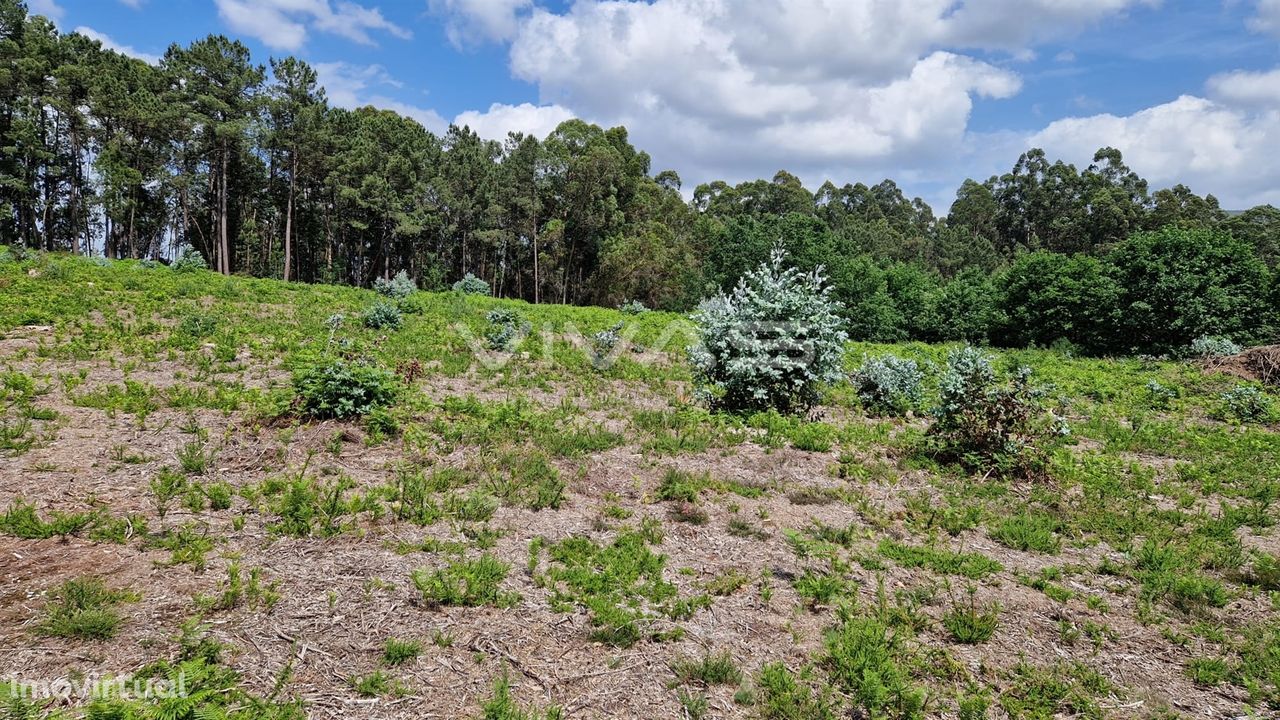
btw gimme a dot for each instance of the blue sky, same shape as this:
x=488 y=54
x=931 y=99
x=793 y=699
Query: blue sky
x=927 y=92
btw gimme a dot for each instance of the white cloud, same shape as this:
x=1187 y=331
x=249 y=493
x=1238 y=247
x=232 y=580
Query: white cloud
x=859 y=90
x=110 y=44
x=135 y=4
x=352 y=86
x=48 y=8
x=468 y=21
x=1212 y=146
x=1247 y=88
x=826 y=88
x=500 y=119
x=1267 y=18
x=284 y=24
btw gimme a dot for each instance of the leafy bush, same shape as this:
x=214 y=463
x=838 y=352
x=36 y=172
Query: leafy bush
x=772 y=343
x=472 y=285
x=603 y=343
x=1245 y=403
x=1046 y=297
x=988 y=427
x=198 y=325
x=188 y=259
x=1179 y=284
x=383 y=316
x=400 y=286
x=1209 y=346
x=504 y=327
x=1159 y=396
x=889 y=385
x=341 y=388
x=633 y=307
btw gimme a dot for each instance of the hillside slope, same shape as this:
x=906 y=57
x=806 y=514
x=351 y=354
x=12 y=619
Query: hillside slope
x=585 y=530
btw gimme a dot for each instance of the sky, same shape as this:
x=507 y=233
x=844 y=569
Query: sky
x=926 y=92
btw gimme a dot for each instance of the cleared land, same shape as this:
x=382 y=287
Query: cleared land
x=591 y=534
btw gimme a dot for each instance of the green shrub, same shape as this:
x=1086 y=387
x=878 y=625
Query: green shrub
x=342 y=388
x=988 y=427
x=780 y=695
x=1047 y=297
x=383 y=316
x=1179 y=284
x=970 y=622
x=198 y=325
x=714 y=669
x=504 y=327
x=188 y=260
x=1246 y=404
x=397 y=652
x=1027 y=531
x=863 y=660
x=504 y=707
x=772 y=343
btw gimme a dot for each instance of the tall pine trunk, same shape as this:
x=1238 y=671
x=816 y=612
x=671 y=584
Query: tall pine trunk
x=223 y=240
x=288 y=215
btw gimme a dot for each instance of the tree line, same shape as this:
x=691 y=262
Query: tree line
x=251 y=165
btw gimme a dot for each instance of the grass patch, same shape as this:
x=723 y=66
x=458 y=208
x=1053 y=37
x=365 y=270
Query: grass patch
x=84 y=608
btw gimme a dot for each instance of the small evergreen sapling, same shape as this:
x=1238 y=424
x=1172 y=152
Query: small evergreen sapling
x=889 y=385
x=1209 y=346
x=505 y=327
x=189 y=259
x=399 y=287
x=383 y=316
x=772 y=343
x=472 y=285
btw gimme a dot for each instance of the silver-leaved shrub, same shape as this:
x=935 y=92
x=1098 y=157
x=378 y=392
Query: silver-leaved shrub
x=472 y=285
x=400 y=286
x=188 y=259
x=889 y=385
x=1210 y=346
x=772 y=343
x=505 y=327
x=989 y=427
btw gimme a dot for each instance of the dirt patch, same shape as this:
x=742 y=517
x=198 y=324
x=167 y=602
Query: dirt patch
x=1261 y=364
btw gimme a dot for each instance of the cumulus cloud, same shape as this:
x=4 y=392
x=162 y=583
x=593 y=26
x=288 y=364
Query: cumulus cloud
x=351 y=86
x=1267 y=18
x=285 y=24
x=110 y=44
x=527 y=118
x=470 y=21
x=854 y=90
x=826 y=88
x=1248 y=88
x=48 y=8
x=1212 y=146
